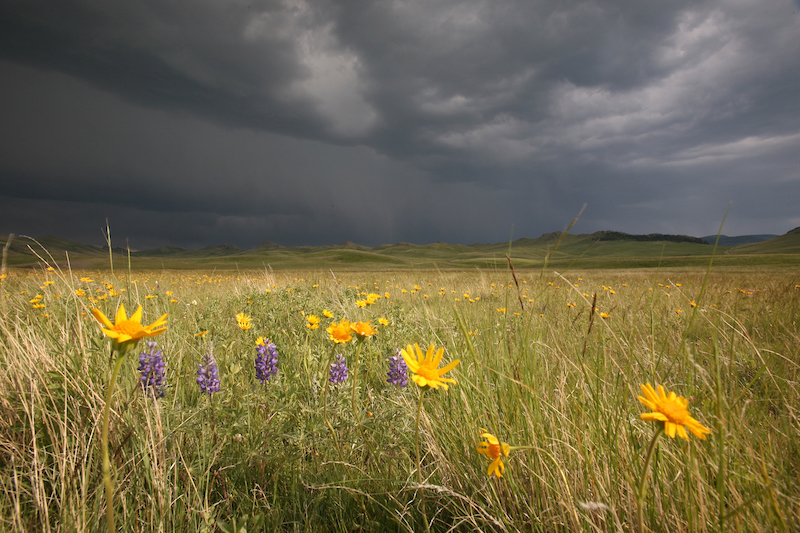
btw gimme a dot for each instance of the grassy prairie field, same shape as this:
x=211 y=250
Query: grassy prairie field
x=540 y=368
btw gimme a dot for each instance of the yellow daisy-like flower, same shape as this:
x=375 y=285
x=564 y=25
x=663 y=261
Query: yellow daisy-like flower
x=361 y=303
x=672 y=411
x=313 y=321
x=425 y=367
x=383 y=322
x=340 y=333
x=363 y=329
x=494 y=450
x=201 y=334
x=129 y=330
x=244 y=321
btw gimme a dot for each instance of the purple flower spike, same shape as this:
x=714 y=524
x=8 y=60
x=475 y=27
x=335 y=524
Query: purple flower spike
x=208 y=375
x=152 y=371
x=338 y=370
x=266 y=360
x=398 y=370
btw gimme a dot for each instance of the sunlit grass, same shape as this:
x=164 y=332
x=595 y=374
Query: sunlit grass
x=539 y=368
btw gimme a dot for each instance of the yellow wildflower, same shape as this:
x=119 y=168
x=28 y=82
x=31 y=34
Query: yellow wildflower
x=244 y=321
x=671 y=410
x=425 y=368
x=363 y=329
x=129 y=330
x=494 y=450
x=340 y=333
x=313 y=321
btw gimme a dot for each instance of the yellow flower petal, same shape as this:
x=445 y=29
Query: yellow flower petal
x=671 y=410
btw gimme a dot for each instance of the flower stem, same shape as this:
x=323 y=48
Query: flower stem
x=107 y=481
x=355 y=409
x=325 y=406
x=419 y=462
x=643 y=479
x=355 y=379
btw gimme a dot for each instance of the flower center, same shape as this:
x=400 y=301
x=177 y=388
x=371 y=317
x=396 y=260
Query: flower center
x=494 y=450
x=128 y=327
x=428 y=372
x=674 y=412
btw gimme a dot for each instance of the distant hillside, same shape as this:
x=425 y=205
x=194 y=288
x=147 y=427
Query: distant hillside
x=602 y=249
x=57 y=247
x=788 y=243
x=724 y=240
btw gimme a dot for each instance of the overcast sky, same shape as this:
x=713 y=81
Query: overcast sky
x=197 y=122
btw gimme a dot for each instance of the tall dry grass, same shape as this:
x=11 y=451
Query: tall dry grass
x=533 y=372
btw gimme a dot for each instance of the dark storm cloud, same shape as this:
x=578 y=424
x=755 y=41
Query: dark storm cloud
x=316 y=122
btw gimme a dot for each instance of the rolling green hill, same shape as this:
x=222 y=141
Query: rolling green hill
x=604 y=249
x=788 y=243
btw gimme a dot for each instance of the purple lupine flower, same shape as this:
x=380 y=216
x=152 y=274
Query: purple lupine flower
x=338 y=370
x=208 y=375
x=152 y=371
x=398 y=370
x=266 y=360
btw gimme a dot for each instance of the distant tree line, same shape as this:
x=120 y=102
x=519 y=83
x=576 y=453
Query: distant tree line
x=620 y=236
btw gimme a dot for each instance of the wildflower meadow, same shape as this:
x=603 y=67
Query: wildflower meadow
x=478 y=400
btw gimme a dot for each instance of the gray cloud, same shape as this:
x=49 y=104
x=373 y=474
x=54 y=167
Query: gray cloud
x=317 y=122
